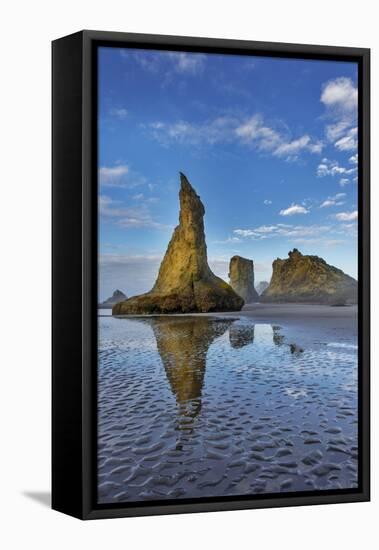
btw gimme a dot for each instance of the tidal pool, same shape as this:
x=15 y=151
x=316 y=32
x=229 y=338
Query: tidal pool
x=197 y=406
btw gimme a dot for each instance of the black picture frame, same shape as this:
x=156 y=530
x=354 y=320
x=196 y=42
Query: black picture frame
x=74 y=272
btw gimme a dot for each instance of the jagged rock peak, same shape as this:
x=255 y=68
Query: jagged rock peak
x=241 y=274
x=185 y=282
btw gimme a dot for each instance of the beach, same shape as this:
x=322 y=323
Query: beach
x=258 y=401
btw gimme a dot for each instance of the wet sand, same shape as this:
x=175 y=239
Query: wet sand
x=213 y=405
x=304 y=323
x=308 y=323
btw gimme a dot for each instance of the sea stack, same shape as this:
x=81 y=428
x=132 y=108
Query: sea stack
x=241 y=274
x=261 y=286
x=309 y=279
x=185 y=282
x=117 y=296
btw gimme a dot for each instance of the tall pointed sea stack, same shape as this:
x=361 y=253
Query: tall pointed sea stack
x=309 y=279
x=185 y=282
x=241 y=274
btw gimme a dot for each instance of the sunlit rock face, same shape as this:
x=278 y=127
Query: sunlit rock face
x=309 y=279
x=241 y=274
x=185 y=282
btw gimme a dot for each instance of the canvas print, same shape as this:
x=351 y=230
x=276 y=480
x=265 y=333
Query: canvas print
x=227 y=276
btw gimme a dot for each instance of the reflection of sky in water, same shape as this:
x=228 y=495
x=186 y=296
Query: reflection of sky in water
x=194 y=406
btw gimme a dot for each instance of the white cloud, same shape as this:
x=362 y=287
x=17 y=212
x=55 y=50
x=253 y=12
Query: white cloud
x=252 y=131
x=190 y=63
x=333 y=201
x=344 y=181
x=283 y=230
x=354 y=159
x=140 y=219
x=120 y=176
x=229 y=240
x=327 y=203
x=347 y=216
x=332 y=168
x=109 y=173
x=340 y=94
x=294 y=209
x=292 y=148
x=255 y=132
x=348 y=229
x=340 y=98
x=128 y=216
x=336 y=130
x=246 y=233
x=110 y=208
x=120 y=113
x=267 y=202
x=348 y=142
x=266 y=228
x=165 y=63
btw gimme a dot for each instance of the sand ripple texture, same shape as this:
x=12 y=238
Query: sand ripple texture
x=203 y=407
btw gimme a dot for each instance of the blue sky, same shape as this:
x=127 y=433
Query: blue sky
x=269 y=144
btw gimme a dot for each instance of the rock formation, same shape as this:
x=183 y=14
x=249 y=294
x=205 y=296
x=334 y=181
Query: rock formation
x=241 y=274
x=185 y=282
x=261 y=287
x=116 y=297
x=309 y=279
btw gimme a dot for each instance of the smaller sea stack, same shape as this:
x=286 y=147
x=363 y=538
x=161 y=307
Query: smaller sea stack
x=241 y=274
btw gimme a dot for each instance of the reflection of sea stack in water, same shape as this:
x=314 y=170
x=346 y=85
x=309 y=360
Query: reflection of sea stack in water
x=241 y=273
x=241 y=335
x=309 y=279
x=183 y=344
x=185 y=282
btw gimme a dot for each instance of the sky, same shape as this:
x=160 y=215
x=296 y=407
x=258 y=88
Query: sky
x=269 y=144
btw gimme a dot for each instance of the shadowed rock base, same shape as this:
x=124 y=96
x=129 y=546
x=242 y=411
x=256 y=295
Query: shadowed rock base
x=185 y=282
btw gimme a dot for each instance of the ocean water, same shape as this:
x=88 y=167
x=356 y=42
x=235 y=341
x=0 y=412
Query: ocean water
x=194 y=406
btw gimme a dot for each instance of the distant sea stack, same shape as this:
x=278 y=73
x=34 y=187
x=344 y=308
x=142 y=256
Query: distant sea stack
x=261 y=286
x=241 y=274
x=116 y=297
x=309 y=279
x=185 y=282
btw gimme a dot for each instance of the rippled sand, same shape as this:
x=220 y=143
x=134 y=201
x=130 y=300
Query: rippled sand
x=196 y=406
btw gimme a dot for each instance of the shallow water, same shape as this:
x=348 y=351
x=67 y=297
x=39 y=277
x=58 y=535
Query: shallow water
x=192 y=406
